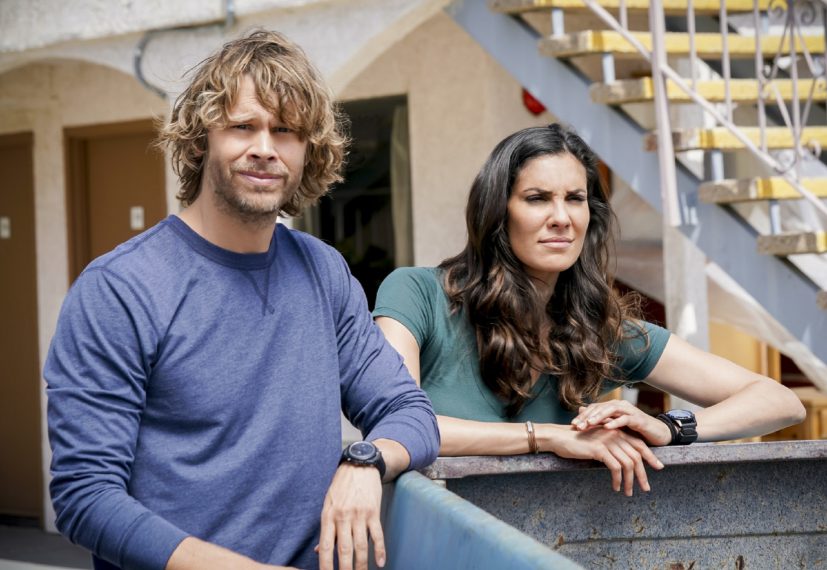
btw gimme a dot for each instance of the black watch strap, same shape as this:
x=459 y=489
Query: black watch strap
x=682 y=425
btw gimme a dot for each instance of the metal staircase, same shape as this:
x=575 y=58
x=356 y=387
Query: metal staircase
x=529 y=39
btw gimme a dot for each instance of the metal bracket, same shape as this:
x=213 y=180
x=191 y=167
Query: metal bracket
x=138 y=53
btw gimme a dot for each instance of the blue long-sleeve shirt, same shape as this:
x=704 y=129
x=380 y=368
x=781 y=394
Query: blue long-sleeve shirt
x=197 y=391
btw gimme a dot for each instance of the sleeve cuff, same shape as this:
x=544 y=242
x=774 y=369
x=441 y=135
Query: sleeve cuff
x=408 y=433
x=150 y=543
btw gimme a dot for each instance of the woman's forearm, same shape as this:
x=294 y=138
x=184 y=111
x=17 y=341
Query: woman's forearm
x=469 y=437
x=737 y=402
x=759 y=408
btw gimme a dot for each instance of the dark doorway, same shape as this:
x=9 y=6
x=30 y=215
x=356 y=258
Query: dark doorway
x=367 y=217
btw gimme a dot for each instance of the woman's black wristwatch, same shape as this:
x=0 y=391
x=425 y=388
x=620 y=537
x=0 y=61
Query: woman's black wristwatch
x=364 y=453
x=681 y=425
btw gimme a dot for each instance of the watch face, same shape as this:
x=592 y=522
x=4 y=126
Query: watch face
x=682 y=415
x=362 y=450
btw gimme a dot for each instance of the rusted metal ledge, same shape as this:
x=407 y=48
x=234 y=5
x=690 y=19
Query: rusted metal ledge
x=749 y=505
x=696 y=454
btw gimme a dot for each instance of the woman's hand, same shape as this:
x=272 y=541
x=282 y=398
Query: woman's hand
x=617 y=414
x=622 y=453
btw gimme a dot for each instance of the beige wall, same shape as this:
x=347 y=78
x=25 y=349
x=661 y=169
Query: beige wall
x=461 y=103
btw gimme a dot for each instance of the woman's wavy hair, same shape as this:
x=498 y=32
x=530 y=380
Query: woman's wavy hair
x=286 y=83
x=489 y=283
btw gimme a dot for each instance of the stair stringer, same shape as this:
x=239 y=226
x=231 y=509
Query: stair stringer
x=775 y=284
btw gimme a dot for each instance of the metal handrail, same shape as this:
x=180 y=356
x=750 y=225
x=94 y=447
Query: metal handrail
x=657 y=14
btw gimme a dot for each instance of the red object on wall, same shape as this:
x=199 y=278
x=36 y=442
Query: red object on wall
x=533 y=105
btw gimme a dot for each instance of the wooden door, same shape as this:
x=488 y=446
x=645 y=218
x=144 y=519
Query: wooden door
x=21 y=475
x=116 y=187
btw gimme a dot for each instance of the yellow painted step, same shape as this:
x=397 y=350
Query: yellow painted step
x=669 y=6
x=707 y=45
x=721 y=138
x=793 y=243
x=755 y=189
x=822 y=299
x=741 y=91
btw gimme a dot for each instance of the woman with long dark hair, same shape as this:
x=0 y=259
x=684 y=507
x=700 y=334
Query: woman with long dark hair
x=515 y=338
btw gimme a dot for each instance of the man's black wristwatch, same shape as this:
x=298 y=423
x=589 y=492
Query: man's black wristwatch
x=681 y=425
x=364 y=453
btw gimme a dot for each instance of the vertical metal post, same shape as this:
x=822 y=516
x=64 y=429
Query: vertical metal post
x=693 y=52
x=725 y=59
x=624 y=15
x=558 y=22
x=715 y=165
x=775 y=217
x=607 y=64
x=759 y=77
x=684 y=274
x=761 y=24
x=796 y=103
x=666 y=151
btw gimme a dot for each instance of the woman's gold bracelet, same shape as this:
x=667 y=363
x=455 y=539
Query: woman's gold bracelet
x=532 y=438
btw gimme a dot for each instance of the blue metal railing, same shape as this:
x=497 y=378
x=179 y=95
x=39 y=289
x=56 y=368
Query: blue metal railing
x=428 y=527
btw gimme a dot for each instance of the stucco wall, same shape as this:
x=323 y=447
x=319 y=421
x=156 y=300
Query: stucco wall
x=342 y=36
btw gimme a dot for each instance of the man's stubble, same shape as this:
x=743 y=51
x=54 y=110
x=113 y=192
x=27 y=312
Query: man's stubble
x=256 y=208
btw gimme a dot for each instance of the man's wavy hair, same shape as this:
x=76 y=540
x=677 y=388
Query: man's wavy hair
x=286 y=83
x=489 y=283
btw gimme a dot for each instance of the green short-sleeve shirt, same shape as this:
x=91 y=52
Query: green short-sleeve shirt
x=449 y=361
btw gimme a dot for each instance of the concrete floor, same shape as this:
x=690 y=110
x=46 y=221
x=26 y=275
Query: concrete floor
x=27 y=548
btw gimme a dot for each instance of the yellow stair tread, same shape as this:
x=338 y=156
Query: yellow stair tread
x=754 y=189
x=741 y=90
x=669 y=6
x=721 y=138
x=793 y=243
x=810 y=395
x=707 y=45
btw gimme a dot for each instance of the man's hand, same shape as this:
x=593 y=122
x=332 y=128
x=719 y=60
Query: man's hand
x=350 y=514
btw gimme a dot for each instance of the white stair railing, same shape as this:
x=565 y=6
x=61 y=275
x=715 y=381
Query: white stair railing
x=789 y=169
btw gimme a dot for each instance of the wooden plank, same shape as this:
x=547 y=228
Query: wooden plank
x=720 y=138
x=741 y=91
x=672 y=7
x=707 y=45
x=822 y=299
x=755 y=189
x=793 y=243
x=815 y=402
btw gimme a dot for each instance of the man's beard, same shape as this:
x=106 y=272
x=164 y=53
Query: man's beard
x=254 y=208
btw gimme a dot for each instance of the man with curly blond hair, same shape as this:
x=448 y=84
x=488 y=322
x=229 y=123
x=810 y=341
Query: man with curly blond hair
x=198 y=371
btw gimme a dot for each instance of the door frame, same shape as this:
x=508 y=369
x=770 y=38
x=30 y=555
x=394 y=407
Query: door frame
x=77 y=190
